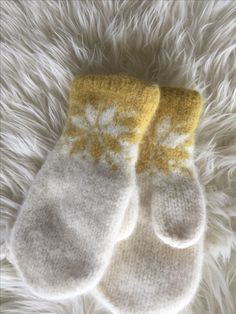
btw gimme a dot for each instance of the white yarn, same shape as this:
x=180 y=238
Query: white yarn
x=183 y=43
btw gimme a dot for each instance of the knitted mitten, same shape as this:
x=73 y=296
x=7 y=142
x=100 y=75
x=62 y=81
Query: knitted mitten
x=146 y=274
x=63 y=238
x=178 y=208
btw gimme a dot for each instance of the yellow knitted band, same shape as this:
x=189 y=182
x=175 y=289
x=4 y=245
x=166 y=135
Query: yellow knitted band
x=107 y=110
x=169 y=140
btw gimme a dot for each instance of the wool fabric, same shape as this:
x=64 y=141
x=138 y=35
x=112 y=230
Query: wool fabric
x=64 y=235
x=158 y=268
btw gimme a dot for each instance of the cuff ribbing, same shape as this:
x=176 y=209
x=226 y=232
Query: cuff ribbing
x=122 y=85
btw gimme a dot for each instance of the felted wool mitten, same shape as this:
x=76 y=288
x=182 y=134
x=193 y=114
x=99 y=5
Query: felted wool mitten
x=149 y=272
x=63 y=238
x=177 y=202
x=178 y=207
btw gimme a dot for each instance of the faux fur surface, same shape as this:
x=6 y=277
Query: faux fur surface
x=44 y=43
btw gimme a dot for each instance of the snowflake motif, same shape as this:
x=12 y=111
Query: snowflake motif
x=172 y=145
x=167 y=149
x=96 y=134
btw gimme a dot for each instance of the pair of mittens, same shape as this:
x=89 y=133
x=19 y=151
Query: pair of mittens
x=158 y=268
x=117 y=206
x=65 y=233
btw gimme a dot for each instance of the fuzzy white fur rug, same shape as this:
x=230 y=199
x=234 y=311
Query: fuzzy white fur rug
x=182 y=43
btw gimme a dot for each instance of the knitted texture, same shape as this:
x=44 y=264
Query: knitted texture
x=178 y=209
x=64 y=235
x=158 y=268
